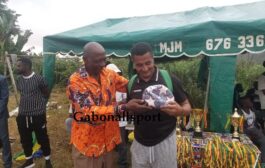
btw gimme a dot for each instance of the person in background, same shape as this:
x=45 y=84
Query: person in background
x=238 y=89
x=251 y=127
x=121 y=98
x=4 y=136
x=252 y=93
x=261 y=89
x=261 y=93
x=69 y=120
x=34 y=94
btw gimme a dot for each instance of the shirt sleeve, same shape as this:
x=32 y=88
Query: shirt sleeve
x=178 y=92
x=121 y=83
x=42 y=83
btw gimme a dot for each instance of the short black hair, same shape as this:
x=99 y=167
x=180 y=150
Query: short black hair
x=141 y=48
x=25 y=61
x=239 y=87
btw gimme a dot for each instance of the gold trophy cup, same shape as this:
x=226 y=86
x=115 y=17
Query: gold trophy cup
x=178 y=129
x=235 y=120
x=197 y=114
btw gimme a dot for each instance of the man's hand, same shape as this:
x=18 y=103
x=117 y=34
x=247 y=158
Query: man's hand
x=137 y=105
x=45 y=92
x=172 y=109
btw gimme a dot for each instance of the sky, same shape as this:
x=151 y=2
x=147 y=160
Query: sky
x=47 y=17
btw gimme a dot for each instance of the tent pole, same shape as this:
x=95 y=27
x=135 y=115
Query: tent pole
x=205 y=108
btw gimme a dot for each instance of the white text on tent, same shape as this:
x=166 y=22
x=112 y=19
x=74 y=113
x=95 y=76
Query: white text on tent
x=170 y=47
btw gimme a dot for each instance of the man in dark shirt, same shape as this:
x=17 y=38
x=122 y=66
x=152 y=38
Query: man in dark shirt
x=34 y=94
x=4 y=137
x=155 y=141
x=251 y=127
x=238 y=89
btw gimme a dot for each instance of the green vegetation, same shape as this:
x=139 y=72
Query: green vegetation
x=12 y=38
x=247 y=72
x=186 y=70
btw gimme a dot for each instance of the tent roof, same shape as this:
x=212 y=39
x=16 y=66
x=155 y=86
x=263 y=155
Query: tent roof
x=211 y=31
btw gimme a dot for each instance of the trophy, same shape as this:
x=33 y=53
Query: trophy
x=197 y=114
x=235 y=120
x=178 y=129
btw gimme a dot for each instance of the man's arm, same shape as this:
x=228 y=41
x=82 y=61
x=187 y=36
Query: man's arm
x=45 y=92
x=120 y=83
x=43 y=86
x=3 y=95
x=83 y=101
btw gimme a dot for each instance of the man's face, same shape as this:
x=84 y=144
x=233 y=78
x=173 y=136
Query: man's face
x=21 y=68
x=248 y=103
x=144 y=65
x=96 y=60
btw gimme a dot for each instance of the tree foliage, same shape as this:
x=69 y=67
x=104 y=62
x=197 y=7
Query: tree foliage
x=12 y=38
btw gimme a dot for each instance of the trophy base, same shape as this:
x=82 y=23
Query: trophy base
x=197 y=135
x=235 y=138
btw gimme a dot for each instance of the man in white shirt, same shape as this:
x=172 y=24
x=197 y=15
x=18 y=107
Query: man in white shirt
x=251 y=127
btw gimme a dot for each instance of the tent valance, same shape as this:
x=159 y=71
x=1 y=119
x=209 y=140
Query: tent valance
x=223 y=31
x=210 y=31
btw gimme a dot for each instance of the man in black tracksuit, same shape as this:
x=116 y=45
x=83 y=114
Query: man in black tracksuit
x=34 y=94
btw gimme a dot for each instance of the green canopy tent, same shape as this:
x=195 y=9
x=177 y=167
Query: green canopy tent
x=222 y=33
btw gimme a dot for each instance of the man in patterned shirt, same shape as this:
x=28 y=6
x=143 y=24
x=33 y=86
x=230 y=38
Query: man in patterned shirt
x=92 y=92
